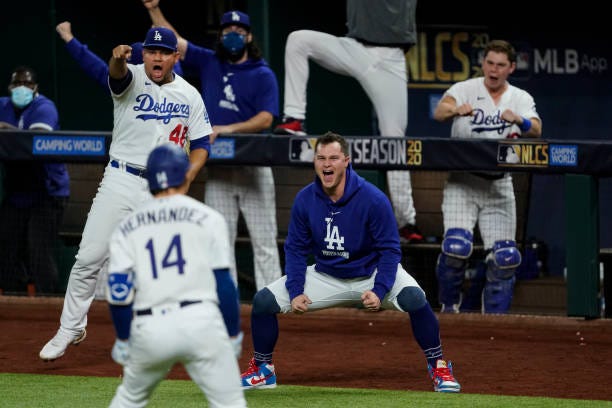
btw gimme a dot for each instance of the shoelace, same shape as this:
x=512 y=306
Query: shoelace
x=444 y=373
x=253 y=368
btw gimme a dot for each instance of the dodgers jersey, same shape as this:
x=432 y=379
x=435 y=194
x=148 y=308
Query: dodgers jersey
x=486 y=121
x=147 y=115
x=171 y=246
x=349 y=238
x=233 y=92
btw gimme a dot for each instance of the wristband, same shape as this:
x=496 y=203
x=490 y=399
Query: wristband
x=526 y=125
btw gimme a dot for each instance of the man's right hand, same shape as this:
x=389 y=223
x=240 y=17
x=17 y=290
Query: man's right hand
x=121 y=352
x=122 y=52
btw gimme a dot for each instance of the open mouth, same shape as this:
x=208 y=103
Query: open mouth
x=157 y=71
x=328 y=176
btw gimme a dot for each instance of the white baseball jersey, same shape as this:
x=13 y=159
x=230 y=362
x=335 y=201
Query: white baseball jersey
x=170 y=247
x=469 y=198
x=486 y=121
x=147 y=114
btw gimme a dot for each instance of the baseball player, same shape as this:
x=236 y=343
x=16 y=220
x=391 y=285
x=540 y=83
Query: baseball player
x=347 y=224
x=372 y=52
x=152 y=105
x=169 y=268
x=486 y=107
x=241 y=93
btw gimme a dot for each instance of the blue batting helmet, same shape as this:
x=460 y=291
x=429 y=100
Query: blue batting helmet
x=167 y=166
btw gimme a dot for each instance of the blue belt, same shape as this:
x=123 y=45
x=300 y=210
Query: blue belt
x=130 y=169
x=184 y=303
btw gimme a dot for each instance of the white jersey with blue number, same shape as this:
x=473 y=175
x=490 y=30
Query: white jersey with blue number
x=147 y=115
x=172 y=245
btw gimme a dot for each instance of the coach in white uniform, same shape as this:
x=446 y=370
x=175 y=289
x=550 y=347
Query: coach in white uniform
x=487 y=107
x=152 y=105
x=169 y=268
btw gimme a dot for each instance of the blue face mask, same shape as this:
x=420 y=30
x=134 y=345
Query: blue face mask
x=22 y=96
x=233 y=42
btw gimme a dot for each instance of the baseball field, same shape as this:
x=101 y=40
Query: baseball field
x=332 y=358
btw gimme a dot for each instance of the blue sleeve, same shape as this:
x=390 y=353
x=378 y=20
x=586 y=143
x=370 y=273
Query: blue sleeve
x=122 y=319
x=44 y=112
x=89 y=62
x=297 y=248
x=120 y=85
x=201 y=143
x=228 y=301
x=267 y=97
x=382 y=226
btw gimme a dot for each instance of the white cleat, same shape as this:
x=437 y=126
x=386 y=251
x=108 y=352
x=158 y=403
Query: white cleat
x=56 y=347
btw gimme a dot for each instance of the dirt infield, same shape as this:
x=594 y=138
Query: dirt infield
x=505 y=355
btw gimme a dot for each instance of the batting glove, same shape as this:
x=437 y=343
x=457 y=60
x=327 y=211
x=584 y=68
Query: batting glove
x=237 y=344
x=121 y=352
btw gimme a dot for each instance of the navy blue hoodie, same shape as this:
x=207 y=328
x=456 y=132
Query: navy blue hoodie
x=349 y=238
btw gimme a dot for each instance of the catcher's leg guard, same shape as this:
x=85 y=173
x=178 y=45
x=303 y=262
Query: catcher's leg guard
x=502 y=263
x=450 y=268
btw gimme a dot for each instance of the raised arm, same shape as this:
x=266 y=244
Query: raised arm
x=94 y=66
x=117 y=65
x=159 y=20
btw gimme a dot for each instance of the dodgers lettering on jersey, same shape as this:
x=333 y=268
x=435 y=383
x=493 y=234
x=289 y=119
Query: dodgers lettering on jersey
x=486 y=121
x=163 y=111
x=147 y=114
x=482 y=122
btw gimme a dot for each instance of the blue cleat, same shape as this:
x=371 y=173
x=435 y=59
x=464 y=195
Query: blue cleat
x=258 y=376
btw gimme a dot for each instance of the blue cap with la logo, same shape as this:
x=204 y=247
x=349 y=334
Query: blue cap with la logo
x=236 y=17
x=160 y=37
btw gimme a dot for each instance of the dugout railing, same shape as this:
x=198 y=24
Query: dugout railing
x=582 y=162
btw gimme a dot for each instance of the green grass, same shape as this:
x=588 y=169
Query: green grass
x=33 y=391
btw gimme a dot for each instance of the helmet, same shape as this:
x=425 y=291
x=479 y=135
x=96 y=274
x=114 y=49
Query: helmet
x=166 y=167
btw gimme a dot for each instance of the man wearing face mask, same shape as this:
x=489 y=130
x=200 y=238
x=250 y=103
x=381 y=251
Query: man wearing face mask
x=241 y=94
x=35 y=194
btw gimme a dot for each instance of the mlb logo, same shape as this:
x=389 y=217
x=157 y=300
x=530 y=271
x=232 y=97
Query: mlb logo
x=508 y=154
x=522 y=61
x=302 y=149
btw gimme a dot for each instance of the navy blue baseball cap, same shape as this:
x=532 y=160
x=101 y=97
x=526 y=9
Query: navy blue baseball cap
x=160 y=37
x=236 y=17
